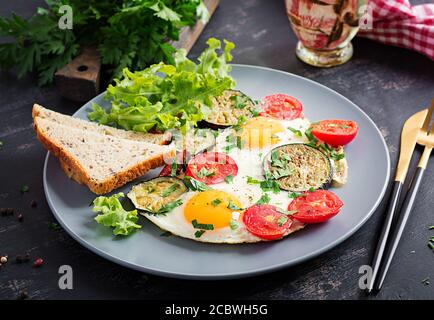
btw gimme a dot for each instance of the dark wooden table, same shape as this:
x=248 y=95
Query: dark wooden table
x=388 y=83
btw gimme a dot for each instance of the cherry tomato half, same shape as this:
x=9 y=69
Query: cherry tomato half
x=335 y=132
x=265 y=222
x=315 y=207
x=211 y=167
x=281 y=106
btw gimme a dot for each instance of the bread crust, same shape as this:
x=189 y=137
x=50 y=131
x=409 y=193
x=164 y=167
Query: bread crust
x=74 y=170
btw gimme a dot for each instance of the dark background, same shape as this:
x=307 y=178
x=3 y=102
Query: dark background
x=389 y=83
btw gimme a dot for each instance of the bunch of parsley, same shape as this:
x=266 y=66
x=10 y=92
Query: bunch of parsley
x=127 y=33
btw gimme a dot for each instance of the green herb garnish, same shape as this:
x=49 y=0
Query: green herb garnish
x=229 y=178
x=270 y=185
x=202 y=226
x=294 y=195
x=251 y=180
x=203 y=172
x=233 y=224
x=216 y=202
x=296 y=132
x=233 y=206
x=264 y=199
x=24 y=189
x=173 y=168
x=282 y=220
x=167 y=207
x=288 y=213
x=195 y=185
x=169 y=190
x=199 y=233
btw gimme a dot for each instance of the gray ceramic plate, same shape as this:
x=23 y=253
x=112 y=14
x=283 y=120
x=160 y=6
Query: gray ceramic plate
x=147 y=251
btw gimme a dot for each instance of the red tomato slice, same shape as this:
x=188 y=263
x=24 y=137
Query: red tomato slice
x=335 y=132
x=265 y=222
x=282 y=106
x=211 y=167
x=180 y=160
x=315 y=207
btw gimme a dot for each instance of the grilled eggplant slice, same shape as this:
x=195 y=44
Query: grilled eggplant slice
x=228 y=108
x=158 y=194
x=298 y=167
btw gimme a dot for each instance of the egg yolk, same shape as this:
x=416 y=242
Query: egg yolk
x=211 y=207
x=260 y=132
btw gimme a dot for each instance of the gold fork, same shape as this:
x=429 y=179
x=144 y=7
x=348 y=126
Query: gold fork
x=426 y=139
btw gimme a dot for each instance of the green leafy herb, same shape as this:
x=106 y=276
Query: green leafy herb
x=203 y=172
x=233 y=206
x=311 y=189
x=216 y=202
x=202 y=226
x=54 y=226
x=229 y=178
x=296 y=132
x=270 y=185
x=312 y=140
x=169 y=190
x=264 y=199
x=24 y=189
x=251 y=180
x=112 y=214
x=164 y=96
x=173 y=168
x=195 y=185
x=233 y=224
x=167 y=207
x=126 y=33
x=255 y=112
x=431 y=228
x=336 y=156
x=288 y=213
x=282 y=220
x=240 y=101
x=294 y=195
x=199 y=233
x=166 y=234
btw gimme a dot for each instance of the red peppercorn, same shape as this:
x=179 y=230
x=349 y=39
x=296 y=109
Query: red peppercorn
x=38 y=262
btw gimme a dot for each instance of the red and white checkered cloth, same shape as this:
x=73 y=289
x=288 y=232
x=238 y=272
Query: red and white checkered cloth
x=398 y=23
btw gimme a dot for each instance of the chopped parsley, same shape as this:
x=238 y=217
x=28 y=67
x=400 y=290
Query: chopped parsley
x=264 y=199
x=167 y=207
x=282 y=220
x=270 y=185
x=233 y=206
x=240 y=101
x=202 y=226
x=255 y=113
x=288 y=213
x=296 y=132
x=203 y=172
x=199 y=233
x=174 y=168
x=311 y=189
x=233 y=224
x=24 y=189
x=229 y=178
x=241 y=120
x=251 y=180
x=195 y=185
x=169 y=190
x=294 y=195
x=216 y=202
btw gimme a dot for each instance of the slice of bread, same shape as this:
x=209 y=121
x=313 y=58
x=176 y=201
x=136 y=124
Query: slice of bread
x=100 y=161
x=157 y=138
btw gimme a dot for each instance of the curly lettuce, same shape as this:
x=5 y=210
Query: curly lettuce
x=112 y=214
x=164 y=96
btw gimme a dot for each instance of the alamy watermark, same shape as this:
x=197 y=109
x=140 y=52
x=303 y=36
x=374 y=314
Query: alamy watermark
x=66 y=280
x=66 y=21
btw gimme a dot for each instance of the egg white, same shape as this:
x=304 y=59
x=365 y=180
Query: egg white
x=249 y=162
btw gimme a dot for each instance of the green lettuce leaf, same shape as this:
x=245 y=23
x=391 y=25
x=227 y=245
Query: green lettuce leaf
x=112 y=214
x=165 y=96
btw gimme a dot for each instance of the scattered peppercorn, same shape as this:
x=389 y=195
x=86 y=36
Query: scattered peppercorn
x=24 y=188
x=23 y=295
x=20 y=217
x=4 y=259
x=22 y=258
x=33 y=204
x=38 y=262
